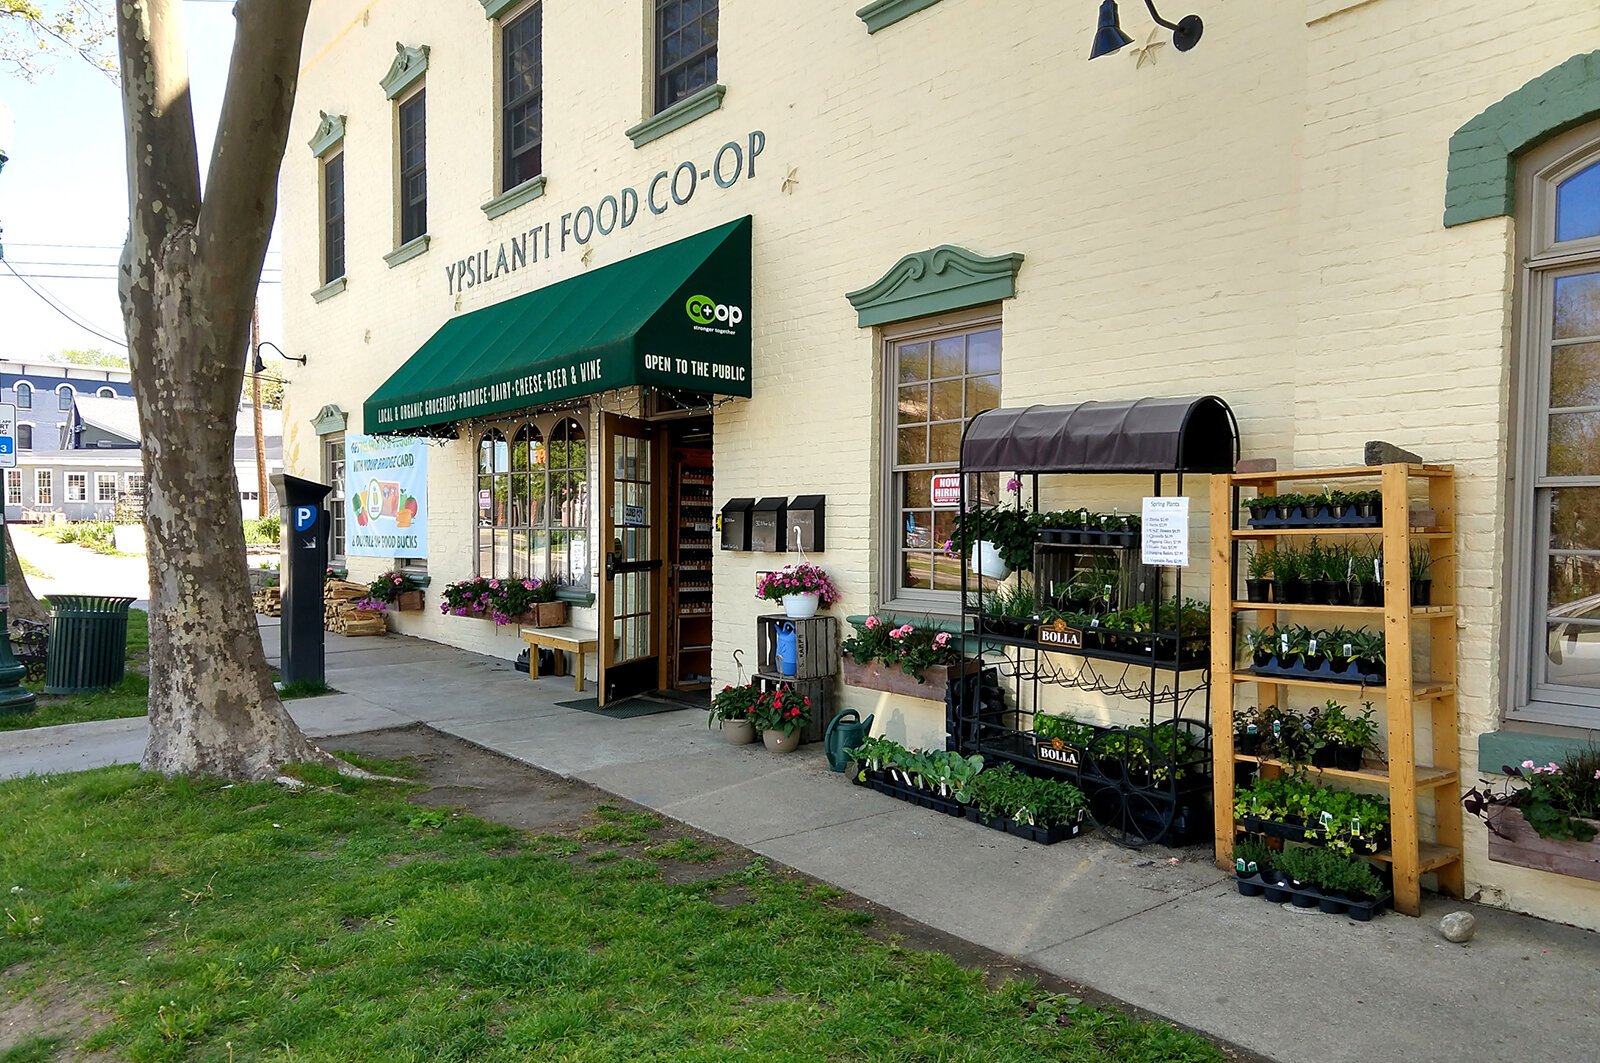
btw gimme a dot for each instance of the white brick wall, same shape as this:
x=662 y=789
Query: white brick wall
x=1258 y=218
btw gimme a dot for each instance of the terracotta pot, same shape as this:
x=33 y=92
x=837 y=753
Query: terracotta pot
x=1523 y=846
x=550 y=614
x=880 y=676
x=408 y=602
x=778 y=742
x=738 y=732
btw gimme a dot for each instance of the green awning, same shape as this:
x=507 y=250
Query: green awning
x=678 y=317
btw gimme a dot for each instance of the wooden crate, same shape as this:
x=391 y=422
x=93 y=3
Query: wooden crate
x=816 y=645
x=824 y=702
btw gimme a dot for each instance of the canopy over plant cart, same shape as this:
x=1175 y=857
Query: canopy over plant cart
x=1096 y=619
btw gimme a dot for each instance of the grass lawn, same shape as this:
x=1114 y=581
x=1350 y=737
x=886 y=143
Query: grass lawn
x=129 y=698
x=180 y=920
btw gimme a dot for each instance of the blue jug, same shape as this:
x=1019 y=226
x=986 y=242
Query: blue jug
x=788 y=653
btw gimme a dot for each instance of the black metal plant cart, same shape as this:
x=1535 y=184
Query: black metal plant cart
x=1144 y=784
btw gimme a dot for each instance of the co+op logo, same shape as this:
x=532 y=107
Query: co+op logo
x=704 y=310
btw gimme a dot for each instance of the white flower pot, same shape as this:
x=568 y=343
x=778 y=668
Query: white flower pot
x=800 y=606
x=985 y=560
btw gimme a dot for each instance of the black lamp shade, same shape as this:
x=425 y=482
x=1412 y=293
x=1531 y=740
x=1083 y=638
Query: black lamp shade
x=1109 y=37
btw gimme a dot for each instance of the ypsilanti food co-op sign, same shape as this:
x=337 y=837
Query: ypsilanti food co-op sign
x=635 y=204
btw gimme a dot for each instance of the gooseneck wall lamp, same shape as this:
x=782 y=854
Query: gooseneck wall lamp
x=1109 y=37
x=259 y=367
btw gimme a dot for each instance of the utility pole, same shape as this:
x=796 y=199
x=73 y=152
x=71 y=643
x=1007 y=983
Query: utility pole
x=255 y=403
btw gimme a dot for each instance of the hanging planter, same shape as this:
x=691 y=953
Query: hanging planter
x=801 y=606
x=985 y=560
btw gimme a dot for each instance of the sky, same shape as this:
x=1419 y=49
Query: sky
x=64 y=196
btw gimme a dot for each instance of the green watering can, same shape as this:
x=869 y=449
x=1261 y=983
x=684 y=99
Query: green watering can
x=845 y=731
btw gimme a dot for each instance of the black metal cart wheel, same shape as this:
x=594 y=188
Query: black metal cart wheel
x=1128 y=806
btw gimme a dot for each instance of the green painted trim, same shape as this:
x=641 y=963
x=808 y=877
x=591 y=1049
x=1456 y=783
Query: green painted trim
x=1481 y=181
x=329 y=290
x=329 y=132
x=936 y=281
x=495 y=8
x=526 y=192
x=407 y=251
x=678 y=115
x=339 y=571
x=1496 y=749
x=409 y=65
x=881 y=14
x=330 y=419
x=418 y=580
x=575 y=596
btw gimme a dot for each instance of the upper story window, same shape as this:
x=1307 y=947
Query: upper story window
x=107 y=393
x=1556 y=491
x=413 y=166
x=937 y=375
x=333 y=218
x=685 y=49
x=24 y=437
x=522 y=98
x=64 y=397
x=24 y=396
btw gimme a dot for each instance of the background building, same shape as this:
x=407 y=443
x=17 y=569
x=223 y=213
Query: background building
x=78 y=443
x=1345 y=218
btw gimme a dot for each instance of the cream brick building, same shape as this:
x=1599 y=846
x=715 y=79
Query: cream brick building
x=1262 y=218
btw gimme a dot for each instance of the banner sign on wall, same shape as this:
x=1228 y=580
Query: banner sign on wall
x=385 y=496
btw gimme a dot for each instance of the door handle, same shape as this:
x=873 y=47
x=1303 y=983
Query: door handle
x=613 y=566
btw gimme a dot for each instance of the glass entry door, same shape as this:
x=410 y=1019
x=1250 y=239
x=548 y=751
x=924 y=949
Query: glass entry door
x=630 y=655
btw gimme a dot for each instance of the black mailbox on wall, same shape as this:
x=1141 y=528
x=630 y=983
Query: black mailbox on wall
x=769 y=525
x=736 y=523
x=806 y=522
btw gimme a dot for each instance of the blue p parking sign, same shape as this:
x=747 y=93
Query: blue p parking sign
x=304 y=518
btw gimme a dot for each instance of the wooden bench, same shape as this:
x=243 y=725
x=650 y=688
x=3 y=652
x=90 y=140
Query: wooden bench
x=575 y=641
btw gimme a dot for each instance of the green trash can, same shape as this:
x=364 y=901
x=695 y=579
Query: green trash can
x=88 y=643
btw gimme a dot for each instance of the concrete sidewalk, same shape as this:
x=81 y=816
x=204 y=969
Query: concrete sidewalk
x=1160 y=929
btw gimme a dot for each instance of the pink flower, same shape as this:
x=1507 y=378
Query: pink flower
x=527 y=584
x=1597 y=773
x=873 y=622
x=1527 y=764
x=942 y=639
x=1013 y=484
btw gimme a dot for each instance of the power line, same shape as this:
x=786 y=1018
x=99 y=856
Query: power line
x=100 y=247
x=38 y=263
x=61 y=310
x=102 y=279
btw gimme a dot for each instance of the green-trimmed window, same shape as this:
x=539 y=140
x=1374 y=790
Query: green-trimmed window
x=413 y=119
x=685 y=49
x=522 y=98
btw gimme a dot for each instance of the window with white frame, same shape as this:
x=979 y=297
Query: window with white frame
x=24 y=437
x=107 y=393
x=43 y=487
x=24 y=395
x=77 y=487
x=1555 y=563
x=105 y=487
x=333 y=473
x=937 y=375
x=64 y=397
x=533 y=500
x=13 y=487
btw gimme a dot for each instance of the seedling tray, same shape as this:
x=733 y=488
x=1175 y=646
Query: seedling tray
x=1322 y=517
x=1253 y=885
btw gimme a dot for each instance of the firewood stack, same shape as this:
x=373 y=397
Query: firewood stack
x=268 y=601
x=342 y=617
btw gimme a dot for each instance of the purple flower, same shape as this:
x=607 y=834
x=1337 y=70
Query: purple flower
x=1013 y=484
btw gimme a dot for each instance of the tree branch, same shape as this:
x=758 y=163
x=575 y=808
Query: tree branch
x=163 y=162
x=242 y=185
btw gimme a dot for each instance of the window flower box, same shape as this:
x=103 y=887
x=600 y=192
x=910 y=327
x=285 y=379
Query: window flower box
x=549 y=614
x=1513 y=841
x=408 y=602
x=891 y=678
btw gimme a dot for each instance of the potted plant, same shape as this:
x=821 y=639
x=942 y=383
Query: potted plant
x=1368 y=504
x=1247 y=737
x=903 y=658
x=1258 y=579
x=1545 y=816
x=1261 y=644
x=548 y=610
x=1368 y=649
x=1288 y=582
x=397 y=589
x=802 y=588
x=1366 y=564
x=1421 y=582
x=732 y=708
x=780 y=715
x=997 y=539
x=1261 y=509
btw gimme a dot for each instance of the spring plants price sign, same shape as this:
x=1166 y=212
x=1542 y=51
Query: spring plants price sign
x=1164 y=527
x=386 y=497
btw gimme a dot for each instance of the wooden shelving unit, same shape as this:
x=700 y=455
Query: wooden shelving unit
x=1407 y=777
x=689 y=606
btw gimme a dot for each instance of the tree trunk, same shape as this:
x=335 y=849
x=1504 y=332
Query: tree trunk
x=24 y=603
x=188 y=279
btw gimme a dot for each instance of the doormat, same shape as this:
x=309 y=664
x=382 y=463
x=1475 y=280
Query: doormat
x=627 y=708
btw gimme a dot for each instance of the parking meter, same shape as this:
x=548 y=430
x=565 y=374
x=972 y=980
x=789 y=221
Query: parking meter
x=302 y=575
